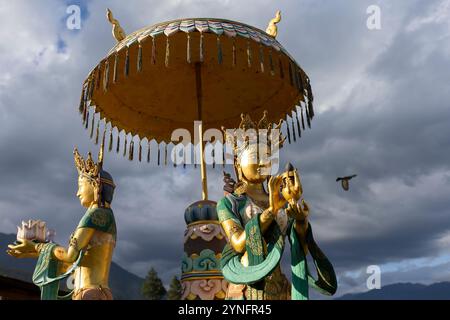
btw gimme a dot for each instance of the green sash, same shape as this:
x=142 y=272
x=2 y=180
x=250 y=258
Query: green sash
x=259 y=267
x=45 y=273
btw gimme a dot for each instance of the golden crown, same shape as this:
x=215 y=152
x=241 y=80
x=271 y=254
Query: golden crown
x=88 y=167
x=251 y=132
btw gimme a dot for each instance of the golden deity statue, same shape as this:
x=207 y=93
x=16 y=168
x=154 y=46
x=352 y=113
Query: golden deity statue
x=91 y=245
x=256 y=222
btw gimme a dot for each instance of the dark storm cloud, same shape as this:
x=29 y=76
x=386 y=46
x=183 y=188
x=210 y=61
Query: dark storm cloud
x=382 y=112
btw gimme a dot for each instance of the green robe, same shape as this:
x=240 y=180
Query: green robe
x=261 y=265
x=45 y=274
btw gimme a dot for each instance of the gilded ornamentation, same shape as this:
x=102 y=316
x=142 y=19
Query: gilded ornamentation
x=272 y=28
x=117 y=31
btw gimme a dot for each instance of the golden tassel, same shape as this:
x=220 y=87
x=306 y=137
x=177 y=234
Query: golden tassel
x=166 y=62
x=82 y=106
x=153 y=51
x=140 y=151
x=139 y=58
x=131 y=151
x=97 y=132
x=159 y=155
x=188 y=49
x=288 y=131
x=272 y=71
x=261 y=58
x=106 y=76
x=298 y=123
x=116 y=60
x=87 y=119
x=174 y=150
x=97 y=84
x=92 y=126
x=303 y=120
x=118 y=141
x=281 y=68
x=249 y=55
x=293 y=129
x=201 y=47
x=110 y=139
x=127 y=62
x=125 y=145
x=234 y=53
x=165 y=154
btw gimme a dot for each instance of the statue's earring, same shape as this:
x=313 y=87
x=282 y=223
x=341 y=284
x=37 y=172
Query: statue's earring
x=241 y=185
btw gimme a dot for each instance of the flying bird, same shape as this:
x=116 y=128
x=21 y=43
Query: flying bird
x=345 y=180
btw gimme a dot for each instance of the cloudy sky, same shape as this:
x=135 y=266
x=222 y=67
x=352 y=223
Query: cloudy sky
x=382 y=99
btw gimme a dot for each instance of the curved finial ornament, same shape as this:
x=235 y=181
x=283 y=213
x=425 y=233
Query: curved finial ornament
x=272 y=29
x=117 y=31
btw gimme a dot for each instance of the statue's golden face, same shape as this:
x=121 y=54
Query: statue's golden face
x=85 y=192
x=254 y=171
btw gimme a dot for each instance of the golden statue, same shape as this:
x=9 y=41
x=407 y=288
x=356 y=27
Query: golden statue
x=272 y=29
x=256 y=223
x=117 y=31
x=91 y=245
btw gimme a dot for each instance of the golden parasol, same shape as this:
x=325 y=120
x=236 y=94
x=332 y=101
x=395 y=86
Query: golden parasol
x=168 y=75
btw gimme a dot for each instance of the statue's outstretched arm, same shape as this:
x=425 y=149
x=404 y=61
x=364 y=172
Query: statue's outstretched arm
x=78 y=241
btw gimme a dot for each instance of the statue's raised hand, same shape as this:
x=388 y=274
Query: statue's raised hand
x=23 y=249
x=276 y=202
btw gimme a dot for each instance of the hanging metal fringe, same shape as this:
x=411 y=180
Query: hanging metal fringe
x=140 y=150
x=249 y=55
x=234 y=53
x=125 y=145
x=87 y=119
x=213 y=154
x=82 y=106
x=272 y=71
x=159 y=155
x=201 y=47
x=293 y=129
x=280 y=64
x=131 y=151
x=127 y=62
x=110 y=146
x=195 y=156
x=166 y=62
x=298 y=123
x=97 y=133
x=98 y=71
x=116 y=61
x=174 y=150
x=153 y=51
x=92 y=126
x=104 y=135
x=148 y=152
x=261 y=57
x=308 y=119
x=118 y=141
x=303 y=120
x=219 y=51
x=165 y=154
x=184 y=156
x=139 y=58
x=106 y=76
x=188 y=48
x=288 y=131
x=223 y=153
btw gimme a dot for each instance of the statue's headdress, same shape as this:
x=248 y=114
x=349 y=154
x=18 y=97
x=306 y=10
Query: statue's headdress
x=89 y=169
x=251 y=132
